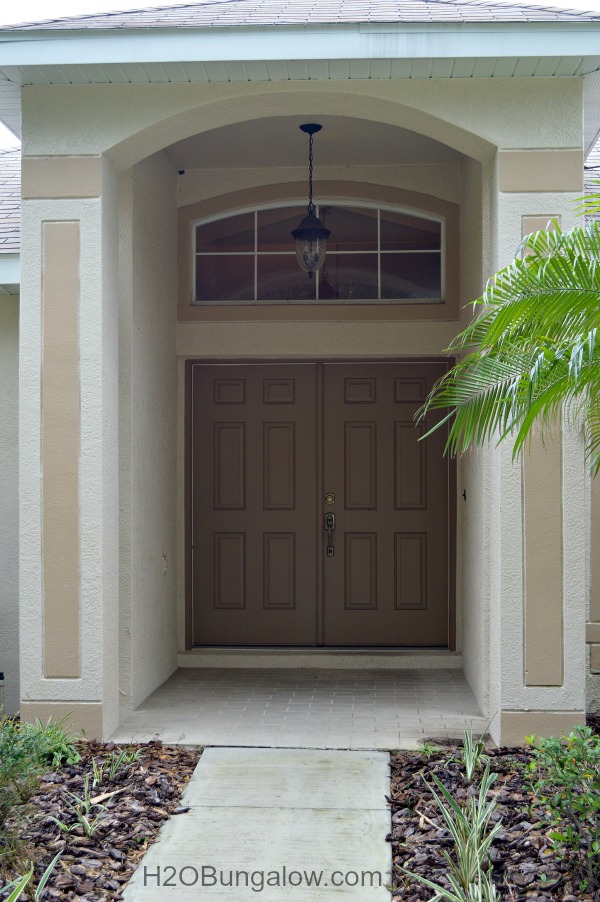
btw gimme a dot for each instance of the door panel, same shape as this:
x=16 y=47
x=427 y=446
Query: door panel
x=254 y=469
x=259 y=542
x=387 y=582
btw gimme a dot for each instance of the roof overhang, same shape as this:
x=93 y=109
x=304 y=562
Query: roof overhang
x=10 y=273
x=281 y=53
x=360 y=41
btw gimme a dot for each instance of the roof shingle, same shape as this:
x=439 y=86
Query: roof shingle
x=219 y=13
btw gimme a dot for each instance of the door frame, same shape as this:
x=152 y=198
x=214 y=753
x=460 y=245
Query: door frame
x=187 y=480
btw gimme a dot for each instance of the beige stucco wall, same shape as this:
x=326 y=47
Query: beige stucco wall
x=441 y=180
x=129 y=123
x=9 y=500
x=148 y=422
x=472 y=522
x=477 y=501
x=593 y=615
x=94 y=693
x=524 y=620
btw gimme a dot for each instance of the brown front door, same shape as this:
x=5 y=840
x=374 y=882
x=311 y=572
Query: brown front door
x=387 y=581
x=274 y=449
x=254 y=496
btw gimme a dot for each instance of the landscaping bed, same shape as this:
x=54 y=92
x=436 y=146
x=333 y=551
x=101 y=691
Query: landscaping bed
x=147 y=786
x=526 y=865
x=104 y=805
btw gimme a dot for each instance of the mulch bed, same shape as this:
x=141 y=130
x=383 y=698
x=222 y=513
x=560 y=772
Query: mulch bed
x=98 y=867
x=525 y=866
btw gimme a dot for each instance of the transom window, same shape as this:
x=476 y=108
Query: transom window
x=374 y=254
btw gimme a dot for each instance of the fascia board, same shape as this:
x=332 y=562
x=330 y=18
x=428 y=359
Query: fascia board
x=10 y=269
x=418 y=41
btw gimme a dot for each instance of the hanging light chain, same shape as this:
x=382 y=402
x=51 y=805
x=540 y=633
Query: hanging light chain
x=311 y=206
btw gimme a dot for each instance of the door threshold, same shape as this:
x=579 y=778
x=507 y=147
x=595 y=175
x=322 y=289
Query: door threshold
x=325 y=658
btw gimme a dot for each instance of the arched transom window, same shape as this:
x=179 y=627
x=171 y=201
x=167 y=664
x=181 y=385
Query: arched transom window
x=375 y=254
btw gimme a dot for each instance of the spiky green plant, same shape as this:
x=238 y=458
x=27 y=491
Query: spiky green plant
x=472 y=753
x=469 y=827
x=533 y=350
x=21 y=883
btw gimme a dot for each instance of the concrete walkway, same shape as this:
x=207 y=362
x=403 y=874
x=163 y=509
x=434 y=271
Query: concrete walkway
x=274 y=825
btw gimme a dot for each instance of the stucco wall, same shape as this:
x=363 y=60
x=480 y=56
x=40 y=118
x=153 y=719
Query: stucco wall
x=474 y=586
x=470 y=115
x=435 y=179
x=522 y=699
x=472 y=523
x=148 y=428
x=9 y=500
x=129 y=122
x=593 y=613
x=97 y=686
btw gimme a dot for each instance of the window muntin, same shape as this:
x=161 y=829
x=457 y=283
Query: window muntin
x=375 y=254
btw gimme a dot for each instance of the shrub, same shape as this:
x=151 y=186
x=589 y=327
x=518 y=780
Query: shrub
x=567 y=785
x=26 y=751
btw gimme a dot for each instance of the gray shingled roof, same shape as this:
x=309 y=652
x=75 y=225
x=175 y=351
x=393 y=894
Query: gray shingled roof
x=218 y=13
x=10 y=201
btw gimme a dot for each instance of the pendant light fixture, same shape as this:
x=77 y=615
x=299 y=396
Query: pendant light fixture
x=311 y=235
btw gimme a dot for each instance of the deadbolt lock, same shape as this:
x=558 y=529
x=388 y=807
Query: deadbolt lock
x=329 y=498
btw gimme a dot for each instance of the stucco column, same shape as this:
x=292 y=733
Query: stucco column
x=68 y=443
x=593 y=625
x=538 y=585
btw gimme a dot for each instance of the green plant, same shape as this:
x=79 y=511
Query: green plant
x=98 y=768
x=19 y=769
x=483 y=890
x=472 y=837
x=472 y=753
x=428 y=749
x=567 y=785
x=26 y=751
x=112 y=764
x=27 y=746
x=123 y=758
x=82 y=808
x=53 y=743
x=17 y=886
x=534 y=350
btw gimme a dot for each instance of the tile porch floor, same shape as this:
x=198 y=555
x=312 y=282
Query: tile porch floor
x=308 y=708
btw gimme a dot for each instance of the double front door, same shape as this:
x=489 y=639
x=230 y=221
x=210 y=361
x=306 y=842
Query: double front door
x=317 y=515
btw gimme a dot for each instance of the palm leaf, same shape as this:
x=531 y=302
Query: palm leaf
x=532 y=351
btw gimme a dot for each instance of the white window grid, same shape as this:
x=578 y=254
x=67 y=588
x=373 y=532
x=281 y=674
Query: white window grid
x=255 y=253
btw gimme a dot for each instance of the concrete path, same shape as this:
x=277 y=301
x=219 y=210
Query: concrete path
x=274 y=825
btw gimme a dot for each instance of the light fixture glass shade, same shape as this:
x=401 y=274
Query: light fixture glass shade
x=311 y=242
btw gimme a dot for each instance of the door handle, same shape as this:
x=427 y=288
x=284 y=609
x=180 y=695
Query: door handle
x=329 y=527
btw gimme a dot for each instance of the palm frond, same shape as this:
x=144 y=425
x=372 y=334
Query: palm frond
x=532 y=351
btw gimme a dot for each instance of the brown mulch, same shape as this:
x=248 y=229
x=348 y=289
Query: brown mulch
x=99 y=866
x=525 y=866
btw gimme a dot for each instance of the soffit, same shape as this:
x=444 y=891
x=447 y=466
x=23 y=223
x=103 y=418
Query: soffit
x=204 y=71
x=343 y=141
